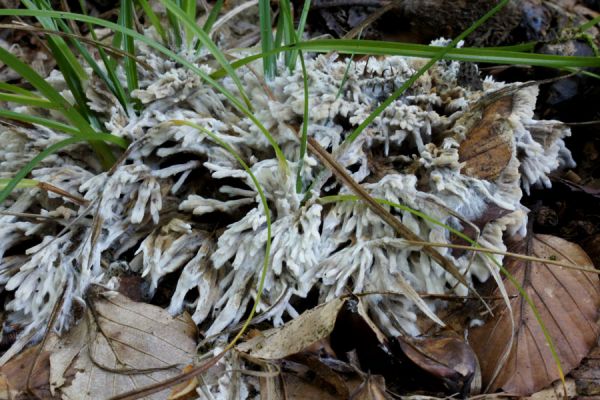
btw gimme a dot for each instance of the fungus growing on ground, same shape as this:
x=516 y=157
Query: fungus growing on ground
x=180 y=203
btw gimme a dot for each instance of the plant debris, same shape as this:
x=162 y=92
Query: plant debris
x=567 y=301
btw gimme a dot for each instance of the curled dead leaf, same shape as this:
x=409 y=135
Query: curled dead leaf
x=15 y=374
x=488 y=147
x=567 y=301
x=372 y=388
x=446 y=357
x=293 y=337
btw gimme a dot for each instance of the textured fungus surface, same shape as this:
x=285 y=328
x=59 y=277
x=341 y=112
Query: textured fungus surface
x=181 y=203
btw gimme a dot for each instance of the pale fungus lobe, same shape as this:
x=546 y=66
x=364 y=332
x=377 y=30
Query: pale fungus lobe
x=181 y=205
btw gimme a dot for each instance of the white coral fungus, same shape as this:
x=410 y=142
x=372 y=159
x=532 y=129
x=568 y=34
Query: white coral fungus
x=181 y=204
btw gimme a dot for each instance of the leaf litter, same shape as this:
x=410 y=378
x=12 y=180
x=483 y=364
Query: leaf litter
x=154 y=218
x=568 y=302
x=118 y=346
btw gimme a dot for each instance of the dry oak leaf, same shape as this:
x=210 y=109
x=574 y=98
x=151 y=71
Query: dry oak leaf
x=567 y=301
x=119 y=346
x=488 y=147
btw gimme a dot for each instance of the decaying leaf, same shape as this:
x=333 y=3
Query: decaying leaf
x=445 y=357
x=488 y=147
x=304 y=343
x=556 y=391
x=567 y=301
x=15 y=373
x=296 y=335
x=120 y=346
x=372 y=388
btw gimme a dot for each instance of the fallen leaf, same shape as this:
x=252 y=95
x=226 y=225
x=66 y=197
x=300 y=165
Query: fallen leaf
x=555 y=392
x=121 y=345
x=373 y=388
x=185 y=390
x=14 y=374
x=298 y=389
x=567 y=301
x=326 y=375
x=446 y=357
x=587 y=375
x=293 y=337
x=488 y=146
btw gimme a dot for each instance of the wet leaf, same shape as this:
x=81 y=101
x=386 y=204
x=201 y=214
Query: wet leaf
x=446 y=357
x=121 y=345
x=488 y=147
x=567 y=301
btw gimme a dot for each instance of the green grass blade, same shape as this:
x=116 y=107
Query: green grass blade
x=23 y=184
x=305 y=121
x=483 y=55
x=59 y=126
x=346 y=71
x=128 y=45
x=153 y=19
x=266 y=38
x=175 y=28
x=278 y=40
x=289 y=33
x=74 y=84
x=58 y=43
x=469 y=54
x=212 y=16
x=67 y=62
x=209 y=44
x=104 y=153
x=98 y=138
x=10 y=185
x=9 y=87
x=210 y=21
x=33 y=119
x=189 y=7
x=109 y=78
x=33 y=101
x=589 y=24
x=117 y=41
x=300 y=30
x=43 y=87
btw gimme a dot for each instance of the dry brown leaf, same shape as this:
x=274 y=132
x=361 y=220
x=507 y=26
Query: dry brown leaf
x=373 y=388
x=185 y=390
x=567 y=301
x=14 y=374
x=555 y=392
x=488 y=147
x=121 y=345
x=299 y=389
x=446 y=357
x=296 y=335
